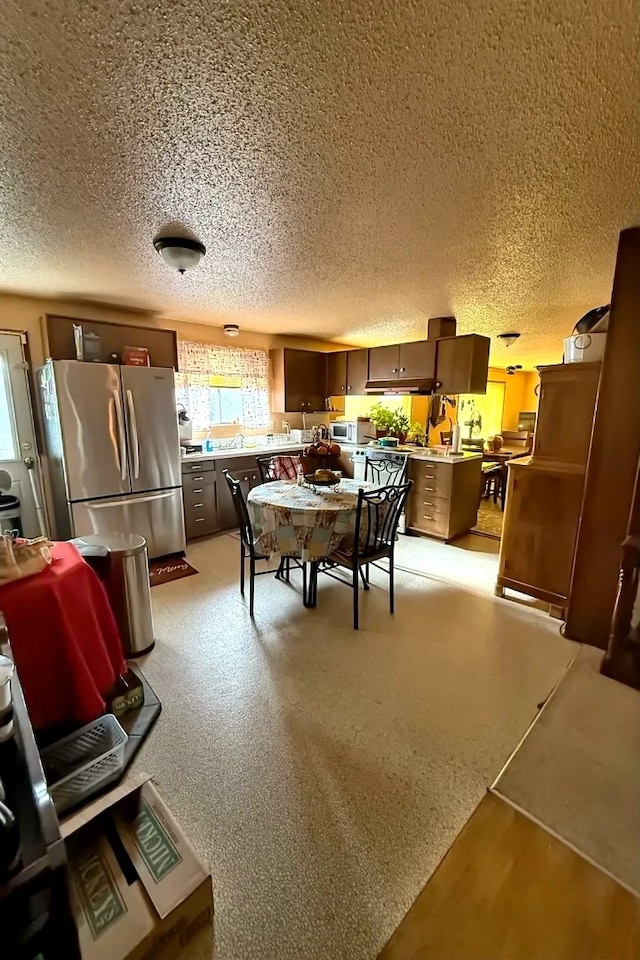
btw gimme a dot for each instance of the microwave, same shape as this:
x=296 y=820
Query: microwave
x=352 y=431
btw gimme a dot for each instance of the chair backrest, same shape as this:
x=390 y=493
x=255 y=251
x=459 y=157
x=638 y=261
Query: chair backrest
x=385 y=472
x=445 y=436
x=278 y=467
x=242 y=514
x=517 y=438
x=377 y=519
x=473 y=444
x=266 y=467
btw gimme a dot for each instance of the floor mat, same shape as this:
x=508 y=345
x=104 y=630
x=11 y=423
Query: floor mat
x=169 y=568
x=490 y=517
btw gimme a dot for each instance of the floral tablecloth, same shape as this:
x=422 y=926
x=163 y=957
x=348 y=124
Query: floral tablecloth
x=303 y=522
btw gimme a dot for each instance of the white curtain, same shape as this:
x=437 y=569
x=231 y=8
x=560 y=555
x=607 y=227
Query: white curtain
x=203 y=367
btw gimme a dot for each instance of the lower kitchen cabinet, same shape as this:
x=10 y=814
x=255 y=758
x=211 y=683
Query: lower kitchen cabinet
x=443 y=501
x=244 y=469
x=199 y=484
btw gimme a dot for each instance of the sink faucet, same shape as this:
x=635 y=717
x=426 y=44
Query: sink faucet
x=238 y=440
x=286 y=427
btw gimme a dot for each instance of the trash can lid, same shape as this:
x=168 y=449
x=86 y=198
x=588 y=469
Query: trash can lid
x=123 y=543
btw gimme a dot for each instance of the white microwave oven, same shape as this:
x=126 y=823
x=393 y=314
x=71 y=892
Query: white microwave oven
x=352 y=431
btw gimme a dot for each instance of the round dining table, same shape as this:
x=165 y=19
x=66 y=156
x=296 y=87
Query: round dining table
x=306 y=522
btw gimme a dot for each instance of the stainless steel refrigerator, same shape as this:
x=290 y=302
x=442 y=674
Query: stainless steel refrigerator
x=112 y=445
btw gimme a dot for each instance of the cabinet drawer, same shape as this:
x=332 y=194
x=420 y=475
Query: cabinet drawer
x=192 y=467
x=432 y=478
x=200 y=511
x=197 y=482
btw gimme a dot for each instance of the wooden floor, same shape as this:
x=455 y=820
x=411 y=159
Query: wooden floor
x=508 y=890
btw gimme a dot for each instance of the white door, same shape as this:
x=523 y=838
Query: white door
x=18 y=454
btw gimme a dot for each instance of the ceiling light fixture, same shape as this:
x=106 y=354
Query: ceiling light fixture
x=231 y=329
x=508 y=338
x=513 y=369
x=180 y=252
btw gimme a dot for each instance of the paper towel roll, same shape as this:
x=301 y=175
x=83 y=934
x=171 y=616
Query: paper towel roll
x=456 y=439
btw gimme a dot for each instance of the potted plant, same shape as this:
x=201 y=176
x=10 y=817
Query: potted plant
x=389 y=423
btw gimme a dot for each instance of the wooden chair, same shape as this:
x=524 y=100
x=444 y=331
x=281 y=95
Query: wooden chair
x=247 y=542
x=446 y=436
x=377 y=517
x=384 y=472
x=492 y=481
x=518 y=438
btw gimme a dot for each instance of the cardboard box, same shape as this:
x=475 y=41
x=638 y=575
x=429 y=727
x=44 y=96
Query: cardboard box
x=138 y=888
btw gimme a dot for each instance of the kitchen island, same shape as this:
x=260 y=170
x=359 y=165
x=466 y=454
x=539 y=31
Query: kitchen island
x=445 y=495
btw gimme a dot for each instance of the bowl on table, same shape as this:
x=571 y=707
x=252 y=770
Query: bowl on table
x=322 y=478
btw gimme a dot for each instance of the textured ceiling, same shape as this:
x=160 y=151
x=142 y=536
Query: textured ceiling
x=352 y=167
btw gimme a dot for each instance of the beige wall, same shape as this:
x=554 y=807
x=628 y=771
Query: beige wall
x=25 y=313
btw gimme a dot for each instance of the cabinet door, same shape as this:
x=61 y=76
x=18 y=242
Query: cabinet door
x=384 y=362
x=540 y=527
x=337 y=374
x=357 y=371
x=305 y=380
x=417 y=359
x=566 y=411
x=462 y=364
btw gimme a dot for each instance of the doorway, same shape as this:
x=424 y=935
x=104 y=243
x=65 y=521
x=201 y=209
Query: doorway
x=18 y=451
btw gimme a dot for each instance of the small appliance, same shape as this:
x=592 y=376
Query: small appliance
x=352 y=431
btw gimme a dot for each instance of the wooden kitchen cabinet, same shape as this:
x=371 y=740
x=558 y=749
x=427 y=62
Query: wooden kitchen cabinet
x=462 y=364
x=199 y=493
x=403 y=361
x=357 y=371
x=347 y=372
x=337 y=374
x=299 y=380
x=384 y=362
x=443 y=501
x=244 y=469
x=544 y=491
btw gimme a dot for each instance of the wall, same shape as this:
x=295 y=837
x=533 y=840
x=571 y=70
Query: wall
x=518 y=395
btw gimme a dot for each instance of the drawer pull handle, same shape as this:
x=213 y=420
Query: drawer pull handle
x=426 y=517
x=426 y=503
x=198 y=520
x=429 y=476
x=196 y=466
x=430 y=489
x=196 y=505
x=199 y=490
x=198 y=478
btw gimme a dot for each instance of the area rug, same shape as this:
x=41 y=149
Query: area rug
x=490 y=517
x=169 y=568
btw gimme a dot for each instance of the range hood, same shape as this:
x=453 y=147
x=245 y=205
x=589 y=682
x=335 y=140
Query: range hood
x=416 y=385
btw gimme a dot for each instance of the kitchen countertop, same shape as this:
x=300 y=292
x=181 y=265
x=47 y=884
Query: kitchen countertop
x=242 y=452
x=440 y=458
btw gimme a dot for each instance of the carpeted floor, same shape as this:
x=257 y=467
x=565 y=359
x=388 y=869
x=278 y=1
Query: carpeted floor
x=323 y=772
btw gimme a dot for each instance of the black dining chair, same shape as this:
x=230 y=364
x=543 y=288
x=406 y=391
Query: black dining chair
x=385 y=472
x=248 y=543
x=266 y=468
x=377 y=516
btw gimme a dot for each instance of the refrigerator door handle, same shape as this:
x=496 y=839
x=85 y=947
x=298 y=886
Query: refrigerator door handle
x=122 y=462
x=134 y=438
x=120 y=502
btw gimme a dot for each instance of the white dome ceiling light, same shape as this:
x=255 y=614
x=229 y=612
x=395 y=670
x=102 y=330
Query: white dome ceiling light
x=179 y=252
x=231 y=329
x=508 y=338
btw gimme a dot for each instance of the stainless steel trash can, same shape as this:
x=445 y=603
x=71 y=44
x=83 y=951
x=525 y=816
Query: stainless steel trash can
x=120 y=560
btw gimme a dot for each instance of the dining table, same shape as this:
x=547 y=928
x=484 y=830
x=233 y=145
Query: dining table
x=305 y=521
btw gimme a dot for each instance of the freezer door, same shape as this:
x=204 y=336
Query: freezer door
x=158 y=517
x=152 y=427
x=83 y=401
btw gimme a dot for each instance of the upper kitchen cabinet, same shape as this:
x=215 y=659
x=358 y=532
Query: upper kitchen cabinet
x=403 y=361
x=357 y=369
x=462 y=364
x=337 y=373
x=299 y=379
x=347 y=373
